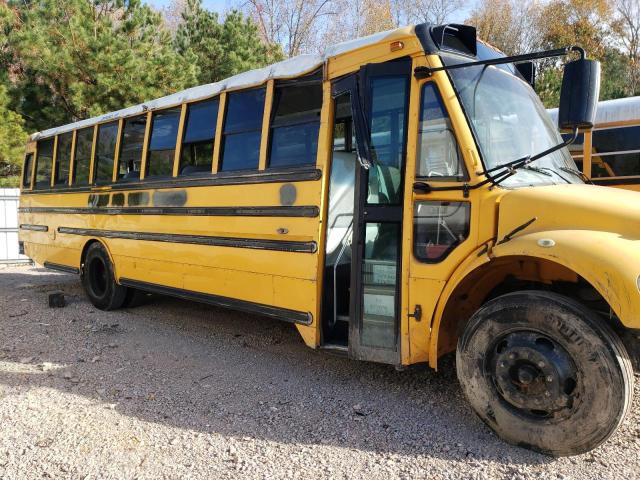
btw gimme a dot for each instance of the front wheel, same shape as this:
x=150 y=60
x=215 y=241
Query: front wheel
x=98 y=279
x=544 y=372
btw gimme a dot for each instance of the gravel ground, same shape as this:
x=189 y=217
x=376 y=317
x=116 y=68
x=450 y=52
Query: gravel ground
x=179 y=390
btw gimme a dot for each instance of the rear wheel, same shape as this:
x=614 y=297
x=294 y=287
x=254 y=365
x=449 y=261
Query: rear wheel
x=544 y=372
x=99 y=281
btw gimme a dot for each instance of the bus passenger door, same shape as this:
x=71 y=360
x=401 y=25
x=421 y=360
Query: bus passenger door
x=369 y=153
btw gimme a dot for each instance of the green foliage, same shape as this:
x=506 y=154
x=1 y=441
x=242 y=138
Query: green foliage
x=12 y=140
x=74 y=59
x=222 y=49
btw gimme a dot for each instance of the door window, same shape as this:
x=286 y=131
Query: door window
x=387 y=125
x=438 y=228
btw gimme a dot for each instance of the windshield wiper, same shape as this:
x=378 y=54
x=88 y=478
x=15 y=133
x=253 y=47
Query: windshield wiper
x=547 y=171
x=508 y=169
x=577 y=173
x=513 y=166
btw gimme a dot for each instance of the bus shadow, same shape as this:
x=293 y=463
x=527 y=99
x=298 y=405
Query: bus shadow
x=210 y=370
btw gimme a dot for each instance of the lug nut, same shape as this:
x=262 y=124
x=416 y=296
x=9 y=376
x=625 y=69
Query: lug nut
x=512 y=356
x=540 y=364
x=549 y=378
x=547 y=394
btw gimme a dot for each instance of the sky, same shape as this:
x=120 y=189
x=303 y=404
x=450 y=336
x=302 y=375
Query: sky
x=217 y=5
x=222 y=5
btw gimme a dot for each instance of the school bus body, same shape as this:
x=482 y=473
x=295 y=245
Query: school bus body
x=258 y=240
x=609 y=153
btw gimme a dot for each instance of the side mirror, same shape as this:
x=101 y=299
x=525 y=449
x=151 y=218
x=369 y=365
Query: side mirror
x=528 y=72
x=579 y=94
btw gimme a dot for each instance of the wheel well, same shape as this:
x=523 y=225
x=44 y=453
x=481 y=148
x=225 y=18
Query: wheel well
x=85 y=249
x=510 y=274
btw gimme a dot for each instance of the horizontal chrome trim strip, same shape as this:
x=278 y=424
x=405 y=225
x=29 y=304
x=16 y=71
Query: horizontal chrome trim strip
x=223 y=178
x=61 y=268
x=278 y=313
x=278 y=211
x=259 y=244
x=35 y=228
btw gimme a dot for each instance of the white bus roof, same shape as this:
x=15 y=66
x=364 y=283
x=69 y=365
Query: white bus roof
x=290 y=68
x=612 y=111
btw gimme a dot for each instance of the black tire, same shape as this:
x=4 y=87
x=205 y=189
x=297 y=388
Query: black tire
x=545 y=372
x=136 y=298
x=99 y=281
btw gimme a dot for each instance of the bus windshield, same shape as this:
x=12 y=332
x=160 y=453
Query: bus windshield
x=510 y=122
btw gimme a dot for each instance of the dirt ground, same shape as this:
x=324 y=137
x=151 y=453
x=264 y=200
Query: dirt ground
x=174 y=389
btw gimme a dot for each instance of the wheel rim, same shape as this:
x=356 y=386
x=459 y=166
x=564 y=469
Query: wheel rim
x=98 y=276
x=533 y=374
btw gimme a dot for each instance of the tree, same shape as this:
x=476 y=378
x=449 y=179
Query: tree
x=626 y=28
x=73 y=59
x=221 y=49
x=509 y=25
x=293 y=24
x=12 y=141
x=436 y=12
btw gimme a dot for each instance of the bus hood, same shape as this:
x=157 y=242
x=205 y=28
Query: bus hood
x=569 y=207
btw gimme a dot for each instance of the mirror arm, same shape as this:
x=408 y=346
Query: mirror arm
x=425 y=72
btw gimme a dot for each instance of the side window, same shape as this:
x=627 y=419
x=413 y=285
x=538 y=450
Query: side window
x=26 y=173
x=105 y=152
x=63 y=159
x=196 y=154
x=389 y=96
x=438 y=228
x=162 y=145
x=44 y=161
x=242 y=130
x=131 y=143
x=295 y=125
x=438 y=153
x=616 y=152
x=82 y=157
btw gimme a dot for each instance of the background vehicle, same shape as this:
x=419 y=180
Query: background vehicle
x=401 y=195
x=609 y=153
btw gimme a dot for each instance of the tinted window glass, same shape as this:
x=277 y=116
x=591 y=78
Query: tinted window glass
x=105 y=152
x=438 y=153
x=43 y=163
x=616 y=152
x=26 y=175
x=162 y=146
x=388 y=117
x=616 y=139
x=295 y=125
x=63 y=158
x=197 y=144
x=84 y=141
x=438 y=227
x=242 y=129
x=131 y=144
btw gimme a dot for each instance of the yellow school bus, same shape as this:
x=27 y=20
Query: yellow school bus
x=401 y=197
x=609 y=152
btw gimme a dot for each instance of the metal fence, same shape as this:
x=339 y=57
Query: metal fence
x=9 y=252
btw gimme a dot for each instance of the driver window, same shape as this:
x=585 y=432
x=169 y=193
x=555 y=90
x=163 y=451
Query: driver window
x=438 y=153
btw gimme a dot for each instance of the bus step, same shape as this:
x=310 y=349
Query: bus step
x=335 y=348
